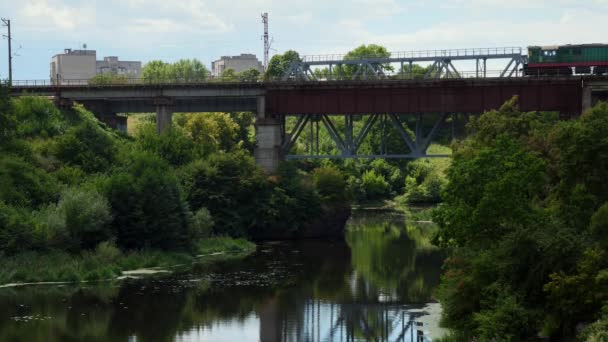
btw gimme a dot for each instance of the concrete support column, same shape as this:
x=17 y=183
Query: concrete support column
x=587 y=99
x=267 y=151
x=164 y=114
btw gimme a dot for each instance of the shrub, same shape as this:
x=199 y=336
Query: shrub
x=79 y=221
x=202 y=223
x=231 y=186
x=17 y=231
x=212 y=131
x=172 y=145
x=70 y=175
x=8 y=121
x=330 y=184
x=87 y=146
x=505 y=319
x=22 y=184
x=599 y=223
x=147 y=206
x=107 y=252
x=374 y=185
x=36 y=116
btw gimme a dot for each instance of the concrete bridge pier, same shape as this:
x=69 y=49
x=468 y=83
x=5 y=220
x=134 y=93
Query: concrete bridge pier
x=587 y=99
x=267 y=151
x=164 y=114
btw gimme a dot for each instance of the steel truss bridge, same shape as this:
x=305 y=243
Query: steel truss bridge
x=357 y=97
x=348 y=141
x=345 y=67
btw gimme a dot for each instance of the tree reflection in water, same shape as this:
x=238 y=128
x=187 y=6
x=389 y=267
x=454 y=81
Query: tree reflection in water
x=373 y=286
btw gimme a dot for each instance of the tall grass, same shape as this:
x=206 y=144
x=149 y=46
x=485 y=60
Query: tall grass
x=105 y=262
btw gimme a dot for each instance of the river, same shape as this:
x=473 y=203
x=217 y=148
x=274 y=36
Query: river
x=376 y=285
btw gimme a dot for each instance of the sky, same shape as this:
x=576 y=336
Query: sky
x=169 y=30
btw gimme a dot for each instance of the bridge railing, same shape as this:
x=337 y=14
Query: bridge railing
x=134 y=81
x=475 y=52
x=387 y=76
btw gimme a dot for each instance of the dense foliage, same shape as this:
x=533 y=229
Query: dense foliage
x=184 y=70
x=68 y=183
x=525 y=214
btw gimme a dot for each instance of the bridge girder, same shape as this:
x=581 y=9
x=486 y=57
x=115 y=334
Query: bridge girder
x=375 y=67
x=348 y=142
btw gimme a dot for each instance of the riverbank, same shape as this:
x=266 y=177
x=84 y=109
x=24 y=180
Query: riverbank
x=107 y=262
x=416 y=212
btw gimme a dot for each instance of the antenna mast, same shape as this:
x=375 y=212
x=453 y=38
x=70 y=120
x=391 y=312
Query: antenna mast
x=266 y=41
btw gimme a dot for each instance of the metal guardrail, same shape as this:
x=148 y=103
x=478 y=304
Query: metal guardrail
x=131 y=81
x=388 y=76
x=502 y=51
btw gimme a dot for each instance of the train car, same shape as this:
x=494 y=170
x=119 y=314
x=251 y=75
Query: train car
x=567 y=59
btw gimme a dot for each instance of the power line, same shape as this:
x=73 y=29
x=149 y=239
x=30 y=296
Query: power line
x=7 y=23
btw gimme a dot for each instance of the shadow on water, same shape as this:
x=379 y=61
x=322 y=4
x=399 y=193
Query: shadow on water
x=375 y=285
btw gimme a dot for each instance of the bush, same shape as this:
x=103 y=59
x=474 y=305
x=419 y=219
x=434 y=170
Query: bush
x=504 y=318
x=107 y=252
x=17 y=231
x=147 y=206
x=36 y=116
x=24 y=185
x=374 y=185
x=330 y=184
x=8 y=122
x=391 y=173
x=202 y=223
x=86 y=146
x=172 y=145
x=79 y=221
x=231 y=187
x=212 y=131
x=70 y=175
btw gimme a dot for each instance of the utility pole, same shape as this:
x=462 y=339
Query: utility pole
x=7 y=23
x=266 y=41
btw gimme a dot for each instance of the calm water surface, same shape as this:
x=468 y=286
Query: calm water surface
x=376 y=285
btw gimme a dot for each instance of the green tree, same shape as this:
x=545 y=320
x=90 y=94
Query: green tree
x=79 y=221
x=172 y=145
x=155 y=71
x=230 y=186
x=250 y=75
x=279 y=64
x=229 y=75
x=87 y=146
x=184 y=70
x=108 y=78
x=23 y=184
x=17 y=231
x=523 y=214
x=374 y=185
x=147 y=206
x=365 y=52
x=330 y=184
x=7 y=118
x=212 y=131
x=36 y=116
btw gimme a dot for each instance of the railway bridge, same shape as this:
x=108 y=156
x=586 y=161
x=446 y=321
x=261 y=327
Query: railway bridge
x=320 y=103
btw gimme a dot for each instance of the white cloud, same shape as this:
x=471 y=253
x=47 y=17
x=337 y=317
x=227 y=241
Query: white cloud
x=56 y=15
x=573 y=26
x=175 y=17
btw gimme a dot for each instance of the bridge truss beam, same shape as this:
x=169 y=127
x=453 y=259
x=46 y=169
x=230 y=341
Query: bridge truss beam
x=375 y=68
x=348 y=141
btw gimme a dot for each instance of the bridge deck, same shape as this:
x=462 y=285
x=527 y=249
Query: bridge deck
x=466 y=95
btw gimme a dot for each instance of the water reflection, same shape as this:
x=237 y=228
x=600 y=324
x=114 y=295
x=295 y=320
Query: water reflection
x=376 y=285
